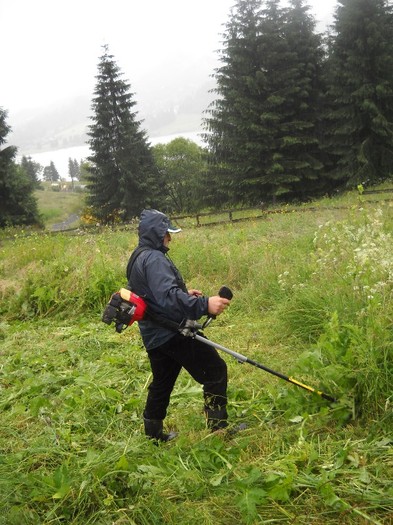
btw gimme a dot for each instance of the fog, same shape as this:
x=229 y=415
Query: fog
x=167 y=50
x=50 y=49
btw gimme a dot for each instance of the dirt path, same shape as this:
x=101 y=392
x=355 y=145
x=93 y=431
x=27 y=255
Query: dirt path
x=65 y=225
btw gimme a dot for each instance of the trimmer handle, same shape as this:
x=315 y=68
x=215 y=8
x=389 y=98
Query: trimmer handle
x=223 y=292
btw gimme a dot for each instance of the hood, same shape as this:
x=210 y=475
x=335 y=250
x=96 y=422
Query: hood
x=152 y=228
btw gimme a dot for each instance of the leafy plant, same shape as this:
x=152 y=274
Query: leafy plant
x=72 y=391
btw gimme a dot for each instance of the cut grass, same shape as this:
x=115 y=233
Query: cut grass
x=72 y=391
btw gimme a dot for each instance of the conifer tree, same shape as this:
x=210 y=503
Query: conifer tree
x=8 y=153
x=73 y=170
x=123 y=176
x=32 y=169
x=50 y=173
x=17 y=203
x=359 y=119
x=296 y=87
x=237 y=140
x=261 y=131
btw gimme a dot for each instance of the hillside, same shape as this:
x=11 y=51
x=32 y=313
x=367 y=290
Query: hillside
x=56 y=207
x=312 y=299
x=164 y=109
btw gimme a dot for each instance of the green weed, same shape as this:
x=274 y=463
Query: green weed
x=312 y=299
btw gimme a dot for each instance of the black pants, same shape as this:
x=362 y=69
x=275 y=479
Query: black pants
x=201 y=361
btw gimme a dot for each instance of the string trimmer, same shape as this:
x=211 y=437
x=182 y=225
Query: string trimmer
x=125 y=307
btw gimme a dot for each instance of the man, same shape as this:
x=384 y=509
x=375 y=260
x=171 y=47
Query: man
x=153 y=276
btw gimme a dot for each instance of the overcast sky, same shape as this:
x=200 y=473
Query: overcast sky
x=50 y=49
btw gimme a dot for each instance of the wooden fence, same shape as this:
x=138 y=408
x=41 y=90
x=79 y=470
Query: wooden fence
x=220 y=216
x=261 y=212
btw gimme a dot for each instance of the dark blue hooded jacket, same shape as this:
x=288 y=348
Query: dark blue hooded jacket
x=155 y=278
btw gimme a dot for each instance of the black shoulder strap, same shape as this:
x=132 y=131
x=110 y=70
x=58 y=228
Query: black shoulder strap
x=132 y=260
x=158 y=319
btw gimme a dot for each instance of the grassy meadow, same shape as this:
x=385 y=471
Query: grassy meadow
x=312 y=299
x=57 y=206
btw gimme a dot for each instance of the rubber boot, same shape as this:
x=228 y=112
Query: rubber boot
x=154 y=430
x=216 y=418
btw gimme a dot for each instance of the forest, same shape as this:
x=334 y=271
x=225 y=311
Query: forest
x=297 y=115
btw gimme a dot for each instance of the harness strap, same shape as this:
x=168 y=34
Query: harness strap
x=132 y=260
x=156 y=318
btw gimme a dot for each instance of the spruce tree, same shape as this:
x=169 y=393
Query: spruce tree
x=279 y=62
x=261 y=131
x=122 y=176
x=50 y=173
x=17 y=203
x=359 y=119
x=73 y=170
x=32 y=169
x=295 y=99
x=238 y=141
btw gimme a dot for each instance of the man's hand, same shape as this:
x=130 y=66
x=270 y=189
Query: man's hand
x=197 y=293
x=217 y=305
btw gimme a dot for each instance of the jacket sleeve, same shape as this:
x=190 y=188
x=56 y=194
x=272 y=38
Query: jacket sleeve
x=163 y=293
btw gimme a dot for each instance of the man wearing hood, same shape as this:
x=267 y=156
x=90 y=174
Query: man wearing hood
x=152 y=275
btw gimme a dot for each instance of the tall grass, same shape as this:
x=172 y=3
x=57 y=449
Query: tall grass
x=57 y=206
x=312 y=299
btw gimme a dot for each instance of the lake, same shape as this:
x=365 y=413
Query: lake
x=60 y=157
